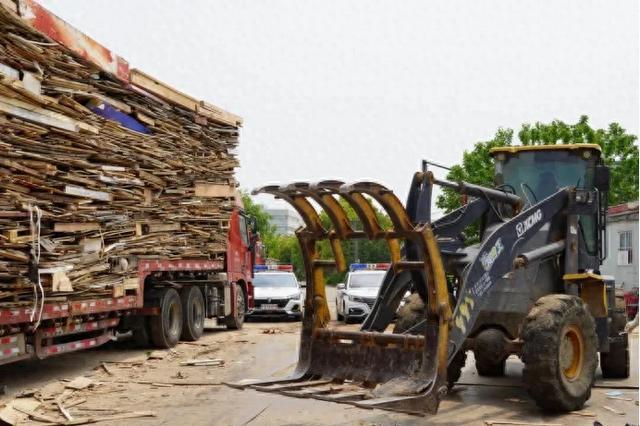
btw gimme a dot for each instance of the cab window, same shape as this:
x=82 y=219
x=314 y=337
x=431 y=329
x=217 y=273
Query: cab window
x=243 y=229
x=536 y=175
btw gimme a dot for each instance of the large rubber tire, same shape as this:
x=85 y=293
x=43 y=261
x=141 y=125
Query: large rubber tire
x=139 y=328
x=410 y=315
x=192 y=313
x=236 y=320
x=166 y=327
x=615 y=363
x=488 y=367
x=489 y=352
x=559 y=353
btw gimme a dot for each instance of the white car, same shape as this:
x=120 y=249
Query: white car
x=355 y=297
x=276 y=293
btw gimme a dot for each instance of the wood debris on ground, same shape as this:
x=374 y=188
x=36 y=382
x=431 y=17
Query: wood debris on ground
x=614 y=410
x=202 y=362
x=60 y=402
x=95 y=173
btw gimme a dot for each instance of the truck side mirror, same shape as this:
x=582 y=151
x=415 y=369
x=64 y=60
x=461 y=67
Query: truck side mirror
x=340 y=286
x=602 y=178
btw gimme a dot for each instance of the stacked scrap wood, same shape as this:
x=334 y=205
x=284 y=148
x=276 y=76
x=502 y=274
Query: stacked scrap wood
x=88 y=193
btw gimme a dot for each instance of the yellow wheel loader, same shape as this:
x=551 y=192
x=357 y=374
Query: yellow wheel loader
x=530 y=287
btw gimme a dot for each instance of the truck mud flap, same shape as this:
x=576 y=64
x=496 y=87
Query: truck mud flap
x=368 y=369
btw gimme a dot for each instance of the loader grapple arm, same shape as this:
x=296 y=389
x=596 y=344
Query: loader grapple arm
x=370 y=369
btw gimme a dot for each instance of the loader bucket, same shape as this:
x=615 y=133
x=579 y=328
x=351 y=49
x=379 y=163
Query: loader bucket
x=369 y=369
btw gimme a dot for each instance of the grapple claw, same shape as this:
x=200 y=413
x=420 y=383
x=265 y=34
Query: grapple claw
x=373 y=369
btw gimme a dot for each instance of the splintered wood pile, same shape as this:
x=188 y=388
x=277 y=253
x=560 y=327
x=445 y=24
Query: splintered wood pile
x=90 y=194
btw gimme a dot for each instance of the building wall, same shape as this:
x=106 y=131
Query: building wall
x=286 y=221
x=626 y=275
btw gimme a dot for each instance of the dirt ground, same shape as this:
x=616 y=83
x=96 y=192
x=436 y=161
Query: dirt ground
x=136 y=383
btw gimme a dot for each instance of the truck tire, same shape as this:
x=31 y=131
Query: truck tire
x=236 y=319
x=615 y=363
x=192 y=313
x=490 y=352
x=488 y=367
x=140 y=329
x=166 y=327
x=559 y=353
x=411 y=314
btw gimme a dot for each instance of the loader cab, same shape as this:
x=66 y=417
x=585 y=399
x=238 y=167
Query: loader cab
x=535 y=172
x=538 y=171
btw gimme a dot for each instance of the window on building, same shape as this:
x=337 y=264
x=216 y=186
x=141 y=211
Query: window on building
x=625 y=252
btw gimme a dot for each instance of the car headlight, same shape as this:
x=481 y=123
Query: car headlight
x=293 y=296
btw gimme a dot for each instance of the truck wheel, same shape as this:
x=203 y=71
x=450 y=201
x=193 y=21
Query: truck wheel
x=490 y=352
x=140 y=330
x=192 y=313
x=166 y=328
x=235 y=320
x=615 y=363
x=489 y=368
x=559 y=352
x=411 y=314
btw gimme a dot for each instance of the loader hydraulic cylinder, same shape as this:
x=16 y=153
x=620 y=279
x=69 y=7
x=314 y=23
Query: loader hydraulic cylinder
x=481 y=192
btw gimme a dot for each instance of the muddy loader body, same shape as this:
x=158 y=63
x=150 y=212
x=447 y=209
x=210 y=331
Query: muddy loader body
x=530 y=286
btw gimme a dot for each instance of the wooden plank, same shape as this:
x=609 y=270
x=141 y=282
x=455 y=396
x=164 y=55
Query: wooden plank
x=203 y=189
x=9 y=5
x=175 y=96
x=6 y=71
x=76 y=226
x=131 y=284
x=118 y=289
x=216 y=113
x=31 y=83
x=37 y=117
x=87 y=193
x=14 y=255
x=161 y=89
x=61 y=282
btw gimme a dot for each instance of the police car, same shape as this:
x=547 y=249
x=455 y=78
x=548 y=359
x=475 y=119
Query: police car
x=276 y=293
x=356 y=296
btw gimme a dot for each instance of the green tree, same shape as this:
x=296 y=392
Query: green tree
x=361 y=250
x=263 y=220
x=619 y=151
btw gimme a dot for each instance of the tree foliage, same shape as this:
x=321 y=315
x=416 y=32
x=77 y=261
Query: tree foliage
x=619 y=151
x=284 y=249
x=361 y=250
x=263 y=220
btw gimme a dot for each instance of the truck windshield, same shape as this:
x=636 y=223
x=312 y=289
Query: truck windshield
x=365 y=279
x=268 y=279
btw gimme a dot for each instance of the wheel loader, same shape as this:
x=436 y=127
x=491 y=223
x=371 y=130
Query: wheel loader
x=530 y=287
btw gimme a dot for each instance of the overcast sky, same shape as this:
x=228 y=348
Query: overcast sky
x=366 y=89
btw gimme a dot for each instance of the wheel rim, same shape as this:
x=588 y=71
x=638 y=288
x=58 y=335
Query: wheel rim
x=240 y=305
x=197 y=314
x=571 y=353
x=174 y=319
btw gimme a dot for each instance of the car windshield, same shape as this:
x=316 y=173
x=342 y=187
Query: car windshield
x=269 y=279
x=366 y=279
